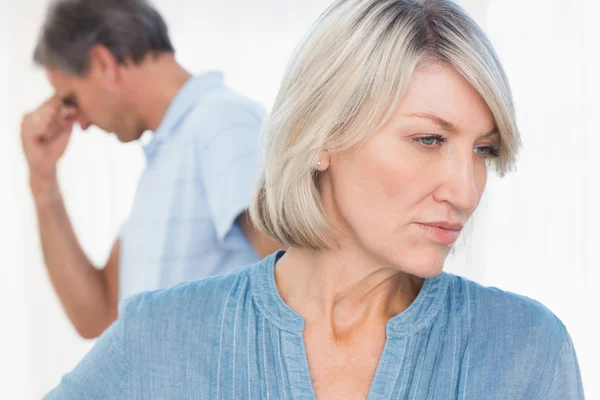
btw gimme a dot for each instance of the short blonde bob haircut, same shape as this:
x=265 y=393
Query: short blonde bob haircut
x=344 y=82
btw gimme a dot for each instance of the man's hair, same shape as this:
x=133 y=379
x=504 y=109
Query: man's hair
x=129 y=29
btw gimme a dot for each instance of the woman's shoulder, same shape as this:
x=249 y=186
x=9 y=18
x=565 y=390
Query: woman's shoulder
x=506 y=329
x=514 y=338
x=195 y=305
x=506 y=313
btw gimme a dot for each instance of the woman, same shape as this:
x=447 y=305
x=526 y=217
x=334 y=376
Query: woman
x=377 y=152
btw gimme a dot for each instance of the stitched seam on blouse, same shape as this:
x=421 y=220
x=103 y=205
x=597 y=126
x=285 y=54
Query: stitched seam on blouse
x=281 y=367
x=469 y=332
x=420 y=373
x=455 y=340
x=437 y=356
x=235 y=316
x=287 y=362
x=265 y=356
x=555 y=369
x=554 y=373
x=437 y=303
x=221 y=338
x=401 y=378
x=125 y=353
x=248 y=358
x=427 y=321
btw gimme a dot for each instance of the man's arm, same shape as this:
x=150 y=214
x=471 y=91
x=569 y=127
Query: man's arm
x=88 y=295
x=262 y=244
x=230 y=164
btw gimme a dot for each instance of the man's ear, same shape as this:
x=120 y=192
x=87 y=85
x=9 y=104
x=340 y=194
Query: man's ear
x=104 y=64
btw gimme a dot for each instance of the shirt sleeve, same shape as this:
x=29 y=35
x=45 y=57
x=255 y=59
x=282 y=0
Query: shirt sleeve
x=102 y=373
x=566 y=382
x=230 y=161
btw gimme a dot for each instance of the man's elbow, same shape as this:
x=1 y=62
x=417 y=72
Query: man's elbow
x=93 y=329
x=87 y=333
x=262 y=244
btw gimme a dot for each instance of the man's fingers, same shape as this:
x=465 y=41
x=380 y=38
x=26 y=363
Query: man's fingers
x=48 y=121
x=55 y=108
x=50 y=108
x=53 y=102
x=68 y=112
x=56 y=129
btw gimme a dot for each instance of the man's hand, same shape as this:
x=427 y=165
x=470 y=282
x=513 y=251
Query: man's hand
x=45 y=133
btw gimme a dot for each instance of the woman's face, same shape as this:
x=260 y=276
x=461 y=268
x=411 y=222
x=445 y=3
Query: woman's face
x=404 y=196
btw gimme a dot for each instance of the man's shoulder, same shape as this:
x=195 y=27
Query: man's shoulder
x=223 y=106
x=225 y=97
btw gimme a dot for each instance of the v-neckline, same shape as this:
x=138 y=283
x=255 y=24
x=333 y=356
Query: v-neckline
x=399 y=330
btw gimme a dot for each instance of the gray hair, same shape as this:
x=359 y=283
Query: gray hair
x=343 y=84
x=129 y=29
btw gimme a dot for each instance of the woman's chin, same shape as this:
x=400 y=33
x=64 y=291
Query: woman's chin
x=424 y=264
x=428 y=271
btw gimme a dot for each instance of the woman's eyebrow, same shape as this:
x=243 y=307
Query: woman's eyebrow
x=442 y=123
x=447 y=125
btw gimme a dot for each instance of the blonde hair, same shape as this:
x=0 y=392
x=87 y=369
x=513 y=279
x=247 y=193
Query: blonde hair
x=343 y=84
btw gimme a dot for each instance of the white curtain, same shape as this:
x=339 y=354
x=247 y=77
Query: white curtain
x=533 y=233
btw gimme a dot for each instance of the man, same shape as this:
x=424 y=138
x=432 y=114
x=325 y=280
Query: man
x=112 y=65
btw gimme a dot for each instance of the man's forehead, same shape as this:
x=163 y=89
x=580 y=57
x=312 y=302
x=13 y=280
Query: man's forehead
x=65 y=95
x=62 y=87
x=59 y=81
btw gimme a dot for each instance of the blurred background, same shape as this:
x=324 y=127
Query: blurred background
x=536 y=232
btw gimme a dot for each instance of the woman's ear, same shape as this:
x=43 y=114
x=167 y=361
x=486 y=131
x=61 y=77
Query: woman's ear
x=323 y=161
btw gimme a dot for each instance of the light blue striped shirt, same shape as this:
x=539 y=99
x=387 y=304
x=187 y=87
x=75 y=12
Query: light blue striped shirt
x=202 y=163
x=233 y=337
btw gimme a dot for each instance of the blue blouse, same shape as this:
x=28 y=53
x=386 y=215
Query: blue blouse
x=232 y=337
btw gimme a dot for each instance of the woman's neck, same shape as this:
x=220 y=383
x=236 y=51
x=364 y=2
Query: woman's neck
x=343 y=289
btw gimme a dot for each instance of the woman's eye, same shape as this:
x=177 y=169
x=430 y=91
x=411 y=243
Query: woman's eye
x=430 y=141
x=487 y=151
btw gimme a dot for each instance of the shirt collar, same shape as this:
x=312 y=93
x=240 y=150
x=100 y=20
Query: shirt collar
x=417 y=316
x=183 y=102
